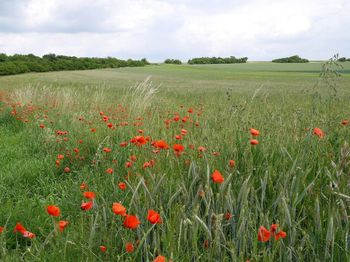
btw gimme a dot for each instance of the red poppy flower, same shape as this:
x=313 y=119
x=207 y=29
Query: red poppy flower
x=123 y=144
x=107 y=150
x=28 y=234
x=133 y=158
x=89 y=195
x=1 y=229
x=131 y=222
x=129 y=247
x=160 y=259
x=254 y=142
x=254 y=132
x=19 y=228
x=119 y=209
x=62 y=224
x=161 y=144
x=139 y=140
x=152 y=162
x=178 y=148
x=232 y=163
x=263 y=234
x=23 y=231
x=103 y=249
x=109 y=171
x=217 y=177
x=228 y=216
x=122 y=185
x=184 y=119
x=87 y=205
x=280 y=234
x=154 y=217
x=318 y=132
x=42 y=126
x=201 y=149
x=273 y=228
x=83 y=186
x=53 y=211
x=146 y=164
x=345 y=122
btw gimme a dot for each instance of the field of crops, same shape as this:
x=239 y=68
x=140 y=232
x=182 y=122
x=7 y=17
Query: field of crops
x=241 y=162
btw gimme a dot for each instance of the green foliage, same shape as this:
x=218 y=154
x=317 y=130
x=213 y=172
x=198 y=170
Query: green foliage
x=217 y=60
x=291 y=59
x=173 y=61
x=16 y=64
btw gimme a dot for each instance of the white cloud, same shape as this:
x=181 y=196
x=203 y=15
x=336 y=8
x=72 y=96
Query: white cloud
x=158 y=29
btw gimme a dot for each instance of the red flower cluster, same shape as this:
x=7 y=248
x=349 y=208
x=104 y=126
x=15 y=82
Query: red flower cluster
x=264 y=235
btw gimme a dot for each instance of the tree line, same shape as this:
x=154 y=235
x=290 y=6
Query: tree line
x=17 y=64
x=291 y=59
x=217 y=60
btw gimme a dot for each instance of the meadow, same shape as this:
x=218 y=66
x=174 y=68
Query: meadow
x=239 y=162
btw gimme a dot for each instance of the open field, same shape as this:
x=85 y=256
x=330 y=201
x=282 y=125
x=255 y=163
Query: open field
x=61 y=135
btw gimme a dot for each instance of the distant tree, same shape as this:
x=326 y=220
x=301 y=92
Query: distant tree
x=172 y=61
x=3 y=57
x=144 y=61
x=342 y=59
x=291 y=59
x=217 y=60
x=50 y=57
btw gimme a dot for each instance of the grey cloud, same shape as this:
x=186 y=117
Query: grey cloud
x=159 y=29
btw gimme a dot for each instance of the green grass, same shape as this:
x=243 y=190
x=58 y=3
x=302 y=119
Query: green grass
x=292 y=177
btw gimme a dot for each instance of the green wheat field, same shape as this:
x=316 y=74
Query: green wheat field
x=220 y=154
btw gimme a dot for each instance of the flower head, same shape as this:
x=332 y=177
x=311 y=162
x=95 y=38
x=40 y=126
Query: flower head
x=217 y=177
x=263 y=234
x=131 y=222
x=53 y=211
x=119 y=209
x=154 y=217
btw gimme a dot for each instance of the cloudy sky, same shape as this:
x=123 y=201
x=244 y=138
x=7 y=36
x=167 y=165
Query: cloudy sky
x=159 y=29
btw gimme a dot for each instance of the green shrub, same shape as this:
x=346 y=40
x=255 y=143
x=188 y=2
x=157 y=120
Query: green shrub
x=217 y=60
x=173 y=61
x=291 y=59
x=342 y=59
